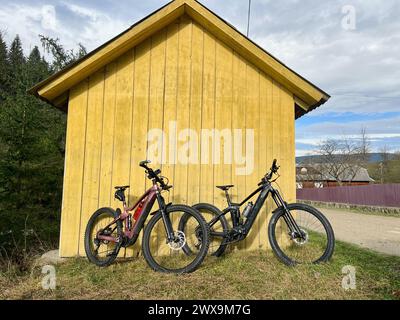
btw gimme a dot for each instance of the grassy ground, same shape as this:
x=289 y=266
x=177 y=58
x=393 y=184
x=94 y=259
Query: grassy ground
x=238 y=275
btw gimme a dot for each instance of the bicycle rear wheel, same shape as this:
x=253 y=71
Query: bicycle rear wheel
x=218 y=230
x=102 y=252
x=169 y=256
x=316 y=242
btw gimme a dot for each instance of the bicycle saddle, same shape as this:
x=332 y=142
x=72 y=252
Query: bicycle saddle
x=123 y=188
x=224 y=188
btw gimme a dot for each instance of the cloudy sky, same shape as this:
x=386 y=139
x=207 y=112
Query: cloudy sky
x=349 y=48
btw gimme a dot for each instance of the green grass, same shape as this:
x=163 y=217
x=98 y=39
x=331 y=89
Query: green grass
x=237 y=275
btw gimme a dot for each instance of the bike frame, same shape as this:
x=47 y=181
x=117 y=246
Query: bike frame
x=234 y=209
x=131 y=232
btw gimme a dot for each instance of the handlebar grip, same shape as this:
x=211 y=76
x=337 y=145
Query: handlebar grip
x=274 y=163
x=144 y=163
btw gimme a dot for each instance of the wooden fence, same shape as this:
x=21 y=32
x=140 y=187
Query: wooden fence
x=383 y=195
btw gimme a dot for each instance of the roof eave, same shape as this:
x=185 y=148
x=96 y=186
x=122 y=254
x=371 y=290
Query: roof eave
x=300 y=112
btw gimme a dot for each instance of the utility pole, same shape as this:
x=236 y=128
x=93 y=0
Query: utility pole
x=248 y=19
x=381 y=167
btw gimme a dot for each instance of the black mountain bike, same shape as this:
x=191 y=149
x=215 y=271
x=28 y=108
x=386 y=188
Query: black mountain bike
x=298 y=233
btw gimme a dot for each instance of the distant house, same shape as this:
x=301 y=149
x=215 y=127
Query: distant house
x=316 y=176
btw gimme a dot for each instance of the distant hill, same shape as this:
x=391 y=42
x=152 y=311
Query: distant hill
x=374 y=158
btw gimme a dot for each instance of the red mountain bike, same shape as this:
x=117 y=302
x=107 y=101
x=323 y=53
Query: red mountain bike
x=166 y=244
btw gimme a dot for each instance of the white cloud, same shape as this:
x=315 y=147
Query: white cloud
x=82 y=11
x=72 y=24
x=95 y=27
x=303 y=152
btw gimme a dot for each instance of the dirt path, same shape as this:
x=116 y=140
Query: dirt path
x=378 y=233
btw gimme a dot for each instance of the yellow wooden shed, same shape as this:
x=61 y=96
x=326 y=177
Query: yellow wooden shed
x=180 y=69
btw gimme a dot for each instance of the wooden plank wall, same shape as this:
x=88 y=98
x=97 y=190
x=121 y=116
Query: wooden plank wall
x=183 y=74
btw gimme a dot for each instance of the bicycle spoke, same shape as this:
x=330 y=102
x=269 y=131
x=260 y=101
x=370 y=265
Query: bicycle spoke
x=100 y=223
x=181 y=252
x=311 y=246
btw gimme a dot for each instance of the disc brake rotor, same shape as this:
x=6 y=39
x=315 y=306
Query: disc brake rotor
x=303 y=240
x=179 y=241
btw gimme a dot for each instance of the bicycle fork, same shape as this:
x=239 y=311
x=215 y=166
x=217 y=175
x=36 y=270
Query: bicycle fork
x=290 y=221
x=169 y=231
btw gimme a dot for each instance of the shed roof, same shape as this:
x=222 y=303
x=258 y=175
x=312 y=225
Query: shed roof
x=54 y=89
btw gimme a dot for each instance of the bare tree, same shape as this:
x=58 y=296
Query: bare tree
x=385 y=154
x=342 y=159
x=365 y=145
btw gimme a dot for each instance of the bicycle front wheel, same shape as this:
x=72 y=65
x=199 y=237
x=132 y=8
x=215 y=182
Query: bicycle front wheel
x=171 y=256
x=313 y=244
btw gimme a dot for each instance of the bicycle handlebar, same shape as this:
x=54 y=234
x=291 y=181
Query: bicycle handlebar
x=274 y=169
x=151 y=174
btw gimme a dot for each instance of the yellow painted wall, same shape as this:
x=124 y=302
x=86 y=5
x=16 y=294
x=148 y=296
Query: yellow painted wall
x=183 y=74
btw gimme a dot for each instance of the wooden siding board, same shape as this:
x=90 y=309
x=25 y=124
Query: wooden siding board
x=208 y=117
x=195 y=116
x=223 y=114
x=263 y=155
x=123 y=120
x=269 y=150
x=183 y=105
x=252 y=123
x=156 y=107
x=91 y=177
x=106 y=195
x=140 y=114
x=75 y=155
x=170 y=104
x=156 y=93
x=238 y=193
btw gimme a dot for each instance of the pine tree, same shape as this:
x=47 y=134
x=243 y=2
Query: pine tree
x=16 y=61
x=38 y=68
x=4 y=70
x=16 y=54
